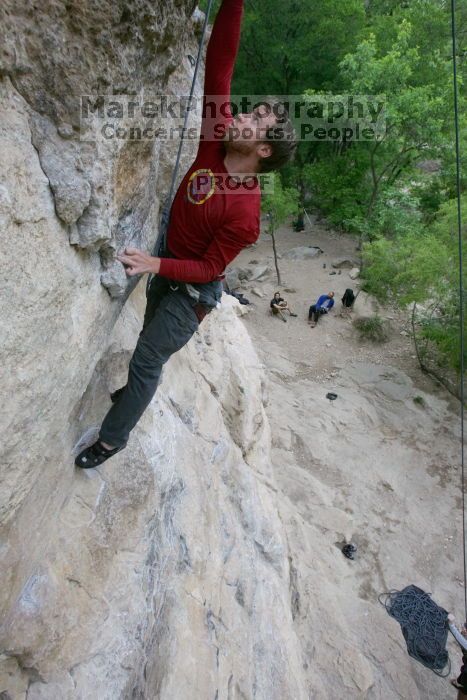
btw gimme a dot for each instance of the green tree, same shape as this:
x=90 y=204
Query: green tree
x=420 y=264
x=418 y=124
x=415 y=113
x=285 y=48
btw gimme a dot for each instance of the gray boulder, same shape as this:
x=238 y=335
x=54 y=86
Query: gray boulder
x=302 y=253
x=234 y=277
x=365 y=306
x=259 y=272
x=341 y=263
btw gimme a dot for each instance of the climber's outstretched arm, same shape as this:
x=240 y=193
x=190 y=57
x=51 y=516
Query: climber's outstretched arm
x=223 y=48
x=220 y=63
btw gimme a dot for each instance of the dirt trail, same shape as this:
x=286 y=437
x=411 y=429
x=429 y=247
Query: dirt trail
x=334 y=341
x=380 y=466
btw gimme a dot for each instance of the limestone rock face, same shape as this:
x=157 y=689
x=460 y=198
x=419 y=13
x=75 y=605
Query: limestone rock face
x=57 y=189
x=173 y=572
x=165 y=573
x=68 y=60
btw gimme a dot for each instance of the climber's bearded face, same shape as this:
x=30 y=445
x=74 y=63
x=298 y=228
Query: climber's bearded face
x=247 y=132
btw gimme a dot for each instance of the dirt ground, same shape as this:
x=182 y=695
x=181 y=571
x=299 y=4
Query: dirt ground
x=334 y=341
x=379 y=466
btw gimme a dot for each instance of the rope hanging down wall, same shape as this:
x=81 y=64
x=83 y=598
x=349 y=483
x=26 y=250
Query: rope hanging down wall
x=424 y=623
x=165 y=216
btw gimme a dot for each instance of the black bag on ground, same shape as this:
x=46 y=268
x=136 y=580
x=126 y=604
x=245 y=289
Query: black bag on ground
x=348 y=298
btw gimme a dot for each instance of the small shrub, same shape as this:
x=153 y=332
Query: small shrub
x=419 y=400
x=372 y=328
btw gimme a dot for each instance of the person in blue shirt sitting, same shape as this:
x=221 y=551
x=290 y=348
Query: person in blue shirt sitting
x=322 y=306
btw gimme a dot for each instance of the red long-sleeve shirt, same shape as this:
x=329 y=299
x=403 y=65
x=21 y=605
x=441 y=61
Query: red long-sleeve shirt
x=212 y=220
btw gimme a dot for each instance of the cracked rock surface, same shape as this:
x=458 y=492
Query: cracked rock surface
x=164 y=573
x=60 y=62
x=66 y=206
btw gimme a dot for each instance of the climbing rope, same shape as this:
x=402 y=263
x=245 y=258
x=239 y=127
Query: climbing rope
x=425 y=624
x=165 y=216
x=461 y=287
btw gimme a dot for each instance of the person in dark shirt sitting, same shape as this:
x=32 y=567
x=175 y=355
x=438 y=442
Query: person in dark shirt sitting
x=279 y=305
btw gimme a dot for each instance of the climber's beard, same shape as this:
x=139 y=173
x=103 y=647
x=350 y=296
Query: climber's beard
x=239 y=147
x=234 y=144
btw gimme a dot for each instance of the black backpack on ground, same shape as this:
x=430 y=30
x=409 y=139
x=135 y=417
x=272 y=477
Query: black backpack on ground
x=348 y=298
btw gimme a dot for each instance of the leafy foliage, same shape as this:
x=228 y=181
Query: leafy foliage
x=280 y=204
x=415 y=116
x=372 y=328
x=286 y=48
x=405 y=214
x=421 y=264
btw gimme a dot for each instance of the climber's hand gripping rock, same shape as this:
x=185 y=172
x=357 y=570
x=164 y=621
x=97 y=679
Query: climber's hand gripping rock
x=138 y=263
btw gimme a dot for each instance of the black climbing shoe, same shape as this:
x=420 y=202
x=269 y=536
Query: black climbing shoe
x=114 y=396
x=94 y=455
x=294 y=315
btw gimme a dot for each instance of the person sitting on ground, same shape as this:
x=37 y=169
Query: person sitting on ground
x=322 y=306
x=278 y=305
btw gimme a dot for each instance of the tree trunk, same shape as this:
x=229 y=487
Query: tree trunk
x=276 y=263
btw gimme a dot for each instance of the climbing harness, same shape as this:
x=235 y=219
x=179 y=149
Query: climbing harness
x=160 y=244
x=425 y=624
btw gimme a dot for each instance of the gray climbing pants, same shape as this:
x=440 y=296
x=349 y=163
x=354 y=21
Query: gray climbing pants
x=171 y=318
